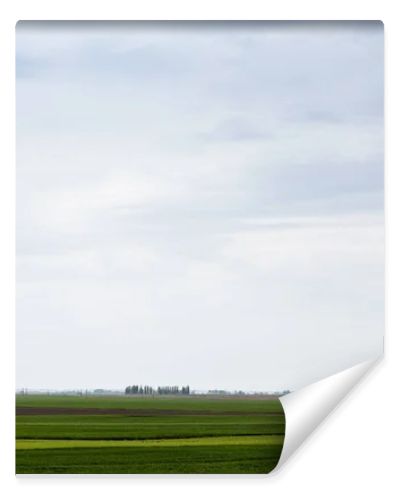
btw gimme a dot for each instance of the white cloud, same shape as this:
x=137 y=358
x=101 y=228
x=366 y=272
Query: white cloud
x=198 y=205
x=302 y=246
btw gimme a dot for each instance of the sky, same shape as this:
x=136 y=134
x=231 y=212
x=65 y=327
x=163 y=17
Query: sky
x=198 y=203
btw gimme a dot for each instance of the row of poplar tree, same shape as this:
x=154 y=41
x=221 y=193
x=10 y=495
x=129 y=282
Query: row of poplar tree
x=167 y=389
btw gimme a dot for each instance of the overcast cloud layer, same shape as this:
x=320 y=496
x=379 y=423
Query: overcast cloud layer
x=198 y=204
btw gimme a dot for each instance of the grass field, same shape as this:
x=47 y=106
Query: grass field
x=127 y=435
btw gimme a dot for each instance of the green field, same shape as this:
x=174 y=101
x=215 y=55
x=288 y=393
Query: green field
x=127 y=435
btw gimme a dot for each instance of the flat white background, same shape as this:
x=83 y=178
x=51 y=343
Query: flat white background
x=355 y=452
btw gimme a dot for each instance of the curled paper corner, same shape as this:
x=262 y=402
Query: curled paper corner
x=308 y=407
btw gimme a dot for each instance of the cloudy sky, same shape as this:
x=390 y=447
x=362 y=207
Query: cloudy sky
x=198 y=203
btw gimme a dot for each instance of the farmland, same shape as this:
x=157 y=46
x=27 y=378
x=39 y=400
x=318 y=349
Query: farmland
x=128 y=435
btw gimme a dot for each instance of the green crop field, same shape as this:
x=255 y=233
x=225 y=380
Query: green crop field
x=128 y=435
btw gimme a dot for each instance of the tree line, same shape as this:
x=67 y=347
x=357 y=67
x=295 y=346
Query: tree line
x=148 y=390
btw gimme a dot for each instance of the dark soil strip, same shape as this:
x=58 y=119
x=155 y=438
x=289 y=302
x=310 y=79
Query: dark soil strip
x=34 y=410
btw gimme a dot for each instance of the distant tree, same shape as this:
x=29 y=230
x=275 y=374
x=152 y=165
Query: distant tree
x=161 y=390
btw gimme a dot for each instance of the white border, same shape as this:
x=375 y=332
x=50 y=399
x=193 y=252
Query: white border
x=345 y=457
